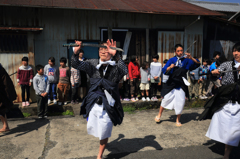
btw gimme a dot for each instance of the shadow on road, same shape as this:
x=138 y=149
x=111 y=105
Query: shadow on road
x=128 y=146
x=218 y=148
x=185 y=118
x=27 y=127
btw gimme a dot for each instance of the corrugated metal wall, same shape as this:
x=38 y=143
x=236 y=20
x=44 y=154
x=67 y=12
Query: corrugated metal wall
x=196 y=48
x=12 y=61
x=61 y=25
x=223 y=46
x=166 y=43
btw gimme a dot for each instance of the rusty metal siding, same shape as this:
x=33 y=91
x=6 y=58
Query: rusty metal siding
x=140 y=6
x=12 y=61
x=196 y=49
x=62 y=25
x=166 y=43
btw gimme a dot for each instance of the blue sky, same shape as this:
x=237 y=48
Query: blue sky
x=229 y=1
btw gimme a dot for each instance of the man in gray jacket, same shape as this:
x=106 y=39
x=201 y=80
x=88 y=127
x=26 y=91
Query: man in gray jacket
x=41 y=87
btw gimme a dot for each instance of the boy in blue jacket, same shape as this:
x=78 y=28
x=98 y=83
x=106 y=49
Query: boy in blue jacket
x=175 y=90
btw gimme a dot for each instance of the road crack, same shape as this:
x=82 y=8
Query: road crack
x=48 y=143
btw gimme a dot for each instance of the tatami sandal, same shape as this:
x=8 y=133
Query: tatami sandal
x=157 y=119
x=178 y=124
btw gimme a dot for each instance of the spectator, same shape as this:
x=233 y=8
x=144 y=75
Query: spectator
x=24 y=79
x=41 y=86
x=126 y=84
x=75 y=82
x=203 y=79
x=164 y=77
x=83 y=77
x=214 y=80
x=194 y=86
x=52 y=72
x=64 y=81
x=145 y=78
x=134 y=74
x=216 y=55
x=155 y=71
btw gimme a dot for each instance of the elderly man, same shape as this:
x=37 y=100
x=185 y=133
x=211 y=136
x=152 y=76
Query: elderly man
x=224 y=107
x=102 y=104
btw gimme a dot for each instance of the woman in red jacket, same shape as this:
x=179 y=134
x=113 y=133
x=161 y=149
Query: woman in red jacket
x=134 y=75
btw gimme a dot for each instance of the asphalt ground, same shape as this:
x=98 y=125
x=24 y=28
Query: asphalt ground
x=137 y=137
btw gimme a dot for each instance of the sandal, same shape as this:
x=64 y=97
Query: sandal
x=178 y=124
x=157 y=120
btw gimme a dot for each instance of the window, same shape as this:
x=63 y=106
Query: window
x=13 y=43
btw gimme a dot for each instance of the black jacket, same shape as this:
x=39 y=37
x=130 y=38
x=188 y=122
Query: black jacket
x=227 y=93
x=115 y=113
x=175 y=81
x=109 y=81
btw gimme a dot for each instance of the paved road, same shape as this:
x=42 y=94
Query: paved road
x=138 y=137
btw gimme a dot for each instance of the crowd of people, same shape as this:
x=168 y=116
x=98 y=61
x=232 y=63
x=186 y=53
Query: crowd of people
x=102 y=105
x=141 y=82
x=49 y=81
x=147 y=80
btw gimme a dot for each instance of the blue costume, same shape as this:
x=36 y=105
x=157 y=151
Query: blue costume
x=175 y=90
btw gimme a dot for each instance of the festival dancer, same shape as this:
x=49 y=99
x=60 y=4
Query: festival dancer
x=7 y=96
x=102 y=104
x=224 y=107
x=176 y=88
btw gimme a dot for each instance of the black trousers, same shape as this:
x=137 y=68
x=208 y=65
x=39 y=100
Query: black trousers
x=75 y=91
x=134 y=90
x=154 y=88
x=27 y=88
x=42 y=103
x=126 y=89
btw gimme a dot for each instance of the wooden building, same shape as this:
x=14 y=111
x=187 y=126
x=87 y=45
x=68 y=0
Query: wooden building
x=38 y=29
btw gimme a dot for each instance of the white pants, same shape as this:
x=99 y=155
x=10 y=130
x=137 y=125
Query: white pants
x=99 y=124
x=225 y=125
x=174 y=100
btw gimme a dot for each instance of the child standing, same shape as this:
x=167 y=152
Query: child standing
x=24 y=79
x=164 y=77
x=53 y=73
x=41 y=87
x=155 y=71
x=134 y=74
x=214 y=80
x=75 y=81
x=145 y=78
x=64 y=81
x=203 y=80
